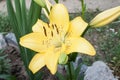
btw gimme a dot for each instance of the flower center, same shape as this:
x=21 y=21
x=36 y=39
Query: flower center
x=53 y=33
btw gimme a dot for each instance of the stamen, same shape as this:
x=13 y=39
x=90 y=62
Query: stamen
x=52 y=26
x=44 y=31
x=51 y=33
x=56 y=29
x=48 y=25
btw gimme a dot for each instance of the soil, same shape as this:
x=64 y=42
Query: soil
x=17 y=68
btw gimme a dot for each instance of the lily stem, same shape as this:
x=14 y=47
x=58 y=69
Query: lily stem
x=69 y=69
x=83 y=5
x=85 y=30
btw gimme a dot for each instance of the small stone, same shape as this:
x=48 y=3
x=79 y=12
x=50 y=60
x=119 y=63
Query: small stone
x=99 y=71
x=11 y=40
x=12 y=37
x=83 y=69
x=3 y=43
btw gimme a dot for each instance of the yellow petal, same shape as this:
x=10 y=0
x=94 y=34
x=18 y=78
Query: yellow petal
x=37 y=62
x=39 y=27
x=45 y=28
x=51 y=60
x=77 y=27
x=59 y=17
x=36 y=41
x=105 y=17
x=79 y=44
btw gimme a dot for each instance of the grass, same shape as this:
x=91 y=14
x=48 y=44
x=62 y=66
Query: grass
x=5 y=25
x=106 y=40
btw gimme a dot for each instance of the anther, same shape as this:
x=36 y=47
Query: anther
x=51 y=33
x=56 y=29
x=48 y=25
x=52 y=26
x=44 y=31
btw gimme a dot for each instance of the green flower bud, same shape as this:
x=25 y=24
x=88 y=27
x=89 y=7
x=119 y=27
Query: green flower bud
x=63 y=58
x=41 y=3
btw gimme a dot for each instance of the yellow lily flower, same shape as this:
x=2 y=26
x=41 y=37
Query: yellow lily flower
x=59 y=36
x=106 y=17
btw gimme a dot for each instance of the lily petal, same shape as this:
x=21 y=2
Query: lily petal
x=39 y=27
x=51 y=60
x=60 y=18
x=106 y=17
x=37 y=62
x=79 y=44
x=36 y=41
x=77 y=27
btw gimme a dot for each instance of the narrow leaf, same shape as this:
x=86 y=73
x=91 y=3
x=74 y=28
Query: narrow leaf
x=12 y=17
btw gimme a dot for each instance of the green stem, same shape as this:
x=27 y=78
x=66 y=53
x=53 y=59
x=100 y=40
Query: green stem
x=56 y=1
x=85 y=30
x=83 y=8
x=70 y=72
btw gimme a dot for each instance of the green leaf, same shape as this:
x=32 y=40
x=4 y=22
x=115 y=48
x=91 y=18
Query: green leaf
x=77 y=71
x=60 y=76
x=72 y=57
x=22 y=24
x=12 y=18
x=72 y=71
x=18 y=15
x=7 y=77
x=33 y=15
x=38 y=75
x=56 y=1
x=24 y=15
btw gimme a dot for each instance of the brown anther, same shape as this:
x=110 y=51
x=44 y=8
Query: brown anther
x=44 y=31
x=48 y=25
x=52 y=26
x=56 y=29
x=51 y=33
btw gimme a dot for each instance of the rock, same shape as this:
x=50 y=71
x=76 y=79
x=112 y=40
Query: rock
x=83 y=69
x=3 y=43
x=12 y=37
x=99 y=71
x=11 y=40
x=8 y=39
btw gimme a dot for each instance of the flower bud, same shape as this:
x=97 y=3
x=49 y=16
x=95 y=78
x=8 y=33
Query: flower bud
x=41 y=3
x=63 y=58
x=105 y=17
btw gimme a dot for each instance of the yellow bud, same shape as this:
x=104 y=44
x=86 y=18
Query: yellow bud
x=105 y=17
x=41 y=3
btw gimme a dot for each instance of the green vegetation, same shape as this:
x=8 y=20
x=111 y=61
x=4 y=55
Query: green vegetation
x=5 y=25
x=4 y=63
x=5 y=67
